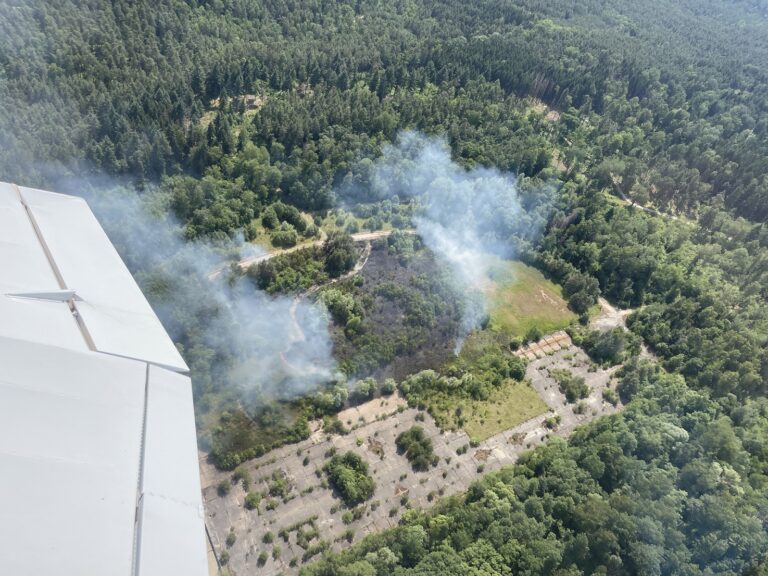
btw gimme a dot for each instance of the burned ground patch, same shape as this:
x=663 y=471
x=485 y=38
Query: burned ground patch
x=406 y=319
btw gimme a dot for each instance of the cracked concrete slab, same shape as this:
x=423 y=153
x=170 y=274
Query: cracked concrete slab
x=323 y=514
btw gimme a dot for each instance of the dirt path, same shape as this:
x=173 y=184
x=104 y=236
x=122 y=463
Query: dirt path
x=629 y=202
x=296 y=333
x=610 y=317
x=245 y=263
x=359 y=265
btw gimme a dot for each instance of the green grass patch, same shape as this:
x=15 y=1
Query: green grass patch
x=509 y=405
x=482 y=391
x=481 y=343
x=346 y=221
x=262 y=237
x=522 y=298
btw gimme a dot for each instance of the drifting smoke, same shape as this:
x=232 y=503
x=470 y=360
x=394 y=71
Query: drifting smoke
x=232 y=334
x=467 y=218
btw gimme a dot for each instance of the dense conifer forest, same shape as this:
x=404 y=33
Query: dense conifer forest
x=670 y=96
x=648 y=118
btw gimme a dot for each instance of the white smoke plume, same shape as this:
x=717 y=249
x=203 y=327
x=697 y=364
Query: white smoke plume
x=466 y=217
x=236 y=338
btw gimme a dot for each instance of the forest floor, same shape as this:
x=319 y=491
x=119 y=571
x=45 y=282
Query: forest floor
x=309 y=518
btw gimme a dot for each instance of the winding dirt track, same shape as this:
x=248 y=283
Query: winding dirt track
x=629 y=202
x=297 y=333
x=246 y=262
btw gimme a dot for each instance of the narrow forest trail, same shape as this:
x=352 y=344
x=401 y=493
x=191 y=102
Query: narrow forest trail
x=356 y=269
x=629 y=202
x=611 y=317
x=297 y=334
x=245 y=263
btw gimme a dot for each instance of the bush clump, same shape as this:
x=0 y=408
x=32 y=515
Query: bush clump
x=417 y=448
x=224 y=487
x=348 y=474
x=252 y=500
x=611 y=347
x=574 y=387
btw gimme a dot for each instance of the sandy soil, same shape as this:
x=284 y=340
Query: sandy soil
x=378 y=424
x=249 y=261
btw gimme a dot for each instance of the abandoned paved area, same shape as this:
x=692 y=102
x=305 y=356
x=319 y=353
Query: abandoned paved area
x=310 y=512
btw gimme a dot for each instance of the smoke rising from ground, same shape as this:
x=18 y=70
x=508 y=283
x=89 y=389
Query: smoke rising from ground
x=466 y=217
x=233 y=335
x=264 y=347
